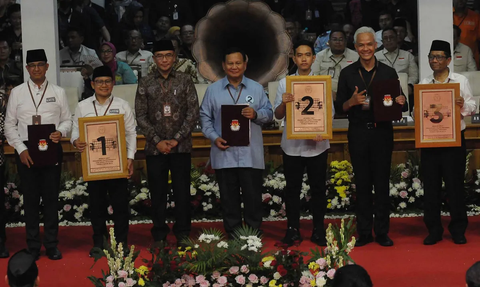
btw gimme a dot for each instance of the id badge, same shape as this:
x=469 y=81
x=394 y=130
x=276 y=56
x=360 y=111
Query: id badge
x=175 y=15
x=167 y=110
x=317 y=14
x=366 y=104
x=331 y=72
x=36 y=120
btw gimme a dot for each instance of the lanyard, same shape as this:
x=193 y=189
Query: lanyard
x=393 y=63
x=238 y=96
x=33 y=100
x=96 y=113
x=131 y=62
x=165 y=91
x=363 y=80
x=336 y=63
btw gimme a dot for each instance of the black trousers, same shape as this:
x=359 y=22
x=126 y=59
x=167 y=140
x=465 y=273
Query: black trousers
x=117 y=191
x=157 y=168
x=3 y=215
x=371 y=153
x=294 y=167
x=41 y=182
x=230 y=182
x=448 y=164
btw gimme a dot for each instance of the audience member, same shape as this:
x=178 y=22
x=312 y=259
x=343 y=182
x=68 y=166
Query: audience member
x=179 y=12
x=322 y=41
x=385 y=20
x=473 y=275
x=3 y=14
x=134 y=55
x=463 y=60
x=8 y=68
x=133 y=19
x=13 y=34
x=123 y=73
x=352 y=276
x=400 y=27
x=291 y=28
x=333 y=59
x=65 y=14
x=313 y=14
x=22 y=270
x=187 y=35
x=174 y=32
x=349 y=32
x=162 y=28
x=469 y=22
x=405 y=9
x=87 y=19
x=75 y=52
x=362 y=13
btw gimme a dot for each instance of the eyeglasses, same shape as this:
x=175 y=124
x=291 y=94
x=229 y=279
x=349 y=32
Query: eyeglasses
x=166 y=56
x=103 y=82
x=337 y=39
x=39 y=65
x=389 y=38
x=437 y=57
x=106 y=51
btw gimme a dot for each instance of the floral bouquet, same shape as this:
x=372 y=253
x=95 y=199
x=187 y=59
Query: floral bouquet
x=272 y=196
x=73 y=201
x=13 y=203
x=406 y=188
x=340 y=187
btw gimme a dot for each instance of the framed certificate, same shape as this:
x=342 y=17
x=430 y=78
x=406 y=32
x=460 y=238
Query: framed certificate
x=105 y=156
x=310 y=113
x=437 y=117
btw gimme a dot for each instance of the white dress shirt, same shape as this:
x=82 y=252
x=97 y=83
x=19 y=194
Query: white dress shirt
x=68 y=58
x=53 y=109
x=402 y=61
x=141 y=58
x=303 y=148
x=119 y=106
x=378 y=38
x=469 y=106
x=325 y=61
x=463 y=59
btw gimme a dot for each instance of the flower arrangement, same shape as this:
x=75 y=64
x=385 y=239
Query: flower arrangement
x=13 y=202
x=73 y=201
x=122 y=272
x=340 y=187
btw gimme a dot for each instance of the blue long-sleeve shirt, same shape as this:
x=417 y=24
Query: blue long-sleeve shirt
x=210 y=115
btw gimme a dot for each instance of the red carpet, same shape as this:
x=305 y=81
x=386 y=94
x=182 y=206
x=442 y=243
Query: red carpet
x=408 y=263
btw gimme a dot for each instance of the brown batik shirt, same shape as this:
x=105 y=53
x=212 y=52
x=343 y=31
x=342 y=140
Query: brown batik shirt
x=154 y=94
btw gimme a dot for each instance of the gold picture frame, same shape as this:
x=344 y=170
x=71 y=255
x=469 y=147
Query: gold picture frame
x=105 y=156
x=308 y=115
x=437 y=117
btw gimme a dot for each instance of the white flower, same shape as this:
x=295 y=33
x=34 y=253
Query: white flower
x=411 y=199
x=320 y=282
x=416 y=185
x=193 y=190
x=276 y=199
x=222 y=244
x=335 y=201
x=273 y=212
x=402 y=205
x=419 y=192
x=207 y=238
x=277 y=276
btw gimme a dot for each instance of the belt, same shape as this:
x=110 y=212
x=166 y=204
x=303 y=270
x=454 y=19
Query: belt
x=371 y=125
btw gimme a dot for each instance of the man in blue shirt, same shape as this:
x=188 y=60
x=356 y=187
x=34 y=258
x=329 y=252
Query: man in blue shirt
x=237 y=167
x=301 y=154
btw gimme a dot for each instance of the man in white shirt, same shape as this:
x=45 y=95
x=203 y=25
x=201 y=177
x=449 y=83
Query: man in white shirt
x=333 y=59
x=134 y=56
x=446 y=164
x=301 y=154
x=463 y=60
x=401 y=60
x=38 y=102
x=103 y=103
x=76 y=53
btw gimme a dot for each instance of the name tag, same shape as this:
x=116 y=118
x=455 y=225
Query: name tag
x=114 y=111
x=401 y=59
x=142 y=60
x=458 y=57
x=51 y=100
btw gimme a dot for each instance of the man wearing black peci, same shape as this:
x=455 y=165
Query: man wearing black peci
x=370 y=143
x=38 y=102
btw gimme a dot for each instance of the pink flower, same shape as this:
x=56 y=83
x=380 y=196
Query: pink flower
x=167 y=284
x=130 y=282
x=16 y=194
x=240 y=279
x=110 y=210
x=253 y=278
x=244 y=269
x=215 y=274
x=188 y=280
x=331 y=273
x=416 y=180
x=307 y=198
x=222 y=280
x=109 y=284
x=5 y=190
x=320 y=274
x=121 y=284
x=178 y=282
x=405 y=174
x=322 y=262
x=233 y=270
x=67 y=207
x=199 y=279
x=403 y=194
x=216 y=285
x=110 y=279
x=204 y=284
x=304 y=280
x=122 y=273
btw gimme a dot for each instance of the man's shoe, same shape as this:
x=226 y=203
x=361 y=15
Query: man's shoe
x=432 y=239
x=363 y=240
x=292 y=237
x=384 y=240
x=35 y=253
x=319 y=238
x=96 y=252
x=54 y=254
x=459 y=239
x=3 y=251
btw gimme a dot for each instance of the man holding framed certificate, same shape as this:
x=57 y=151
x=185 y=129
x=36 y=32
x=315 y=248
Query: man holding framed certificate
x=299 y=154
x=445 y=163
x=370 y=142
x=101 y=104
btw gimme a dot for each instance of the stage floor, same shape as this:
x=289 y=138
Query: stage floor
x=407 y=264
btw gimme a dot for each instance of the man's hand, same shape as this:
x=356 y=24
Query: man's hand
x=25 y=158
x=172 y=143
x=249 y=113
x=318 y=138
x=56 y=136
x=130 y=167
x=80 y=145
x=287 y=97
x=400 y=100
x=220 y=143
x=459 y=102
x=163 y=147
x=357 y=98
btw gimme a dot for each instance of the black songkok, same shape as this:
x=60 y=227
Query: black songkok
x=102 y=71
x=440 y=45
x=36 y=56
x=163 y=45
x=22 y=269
